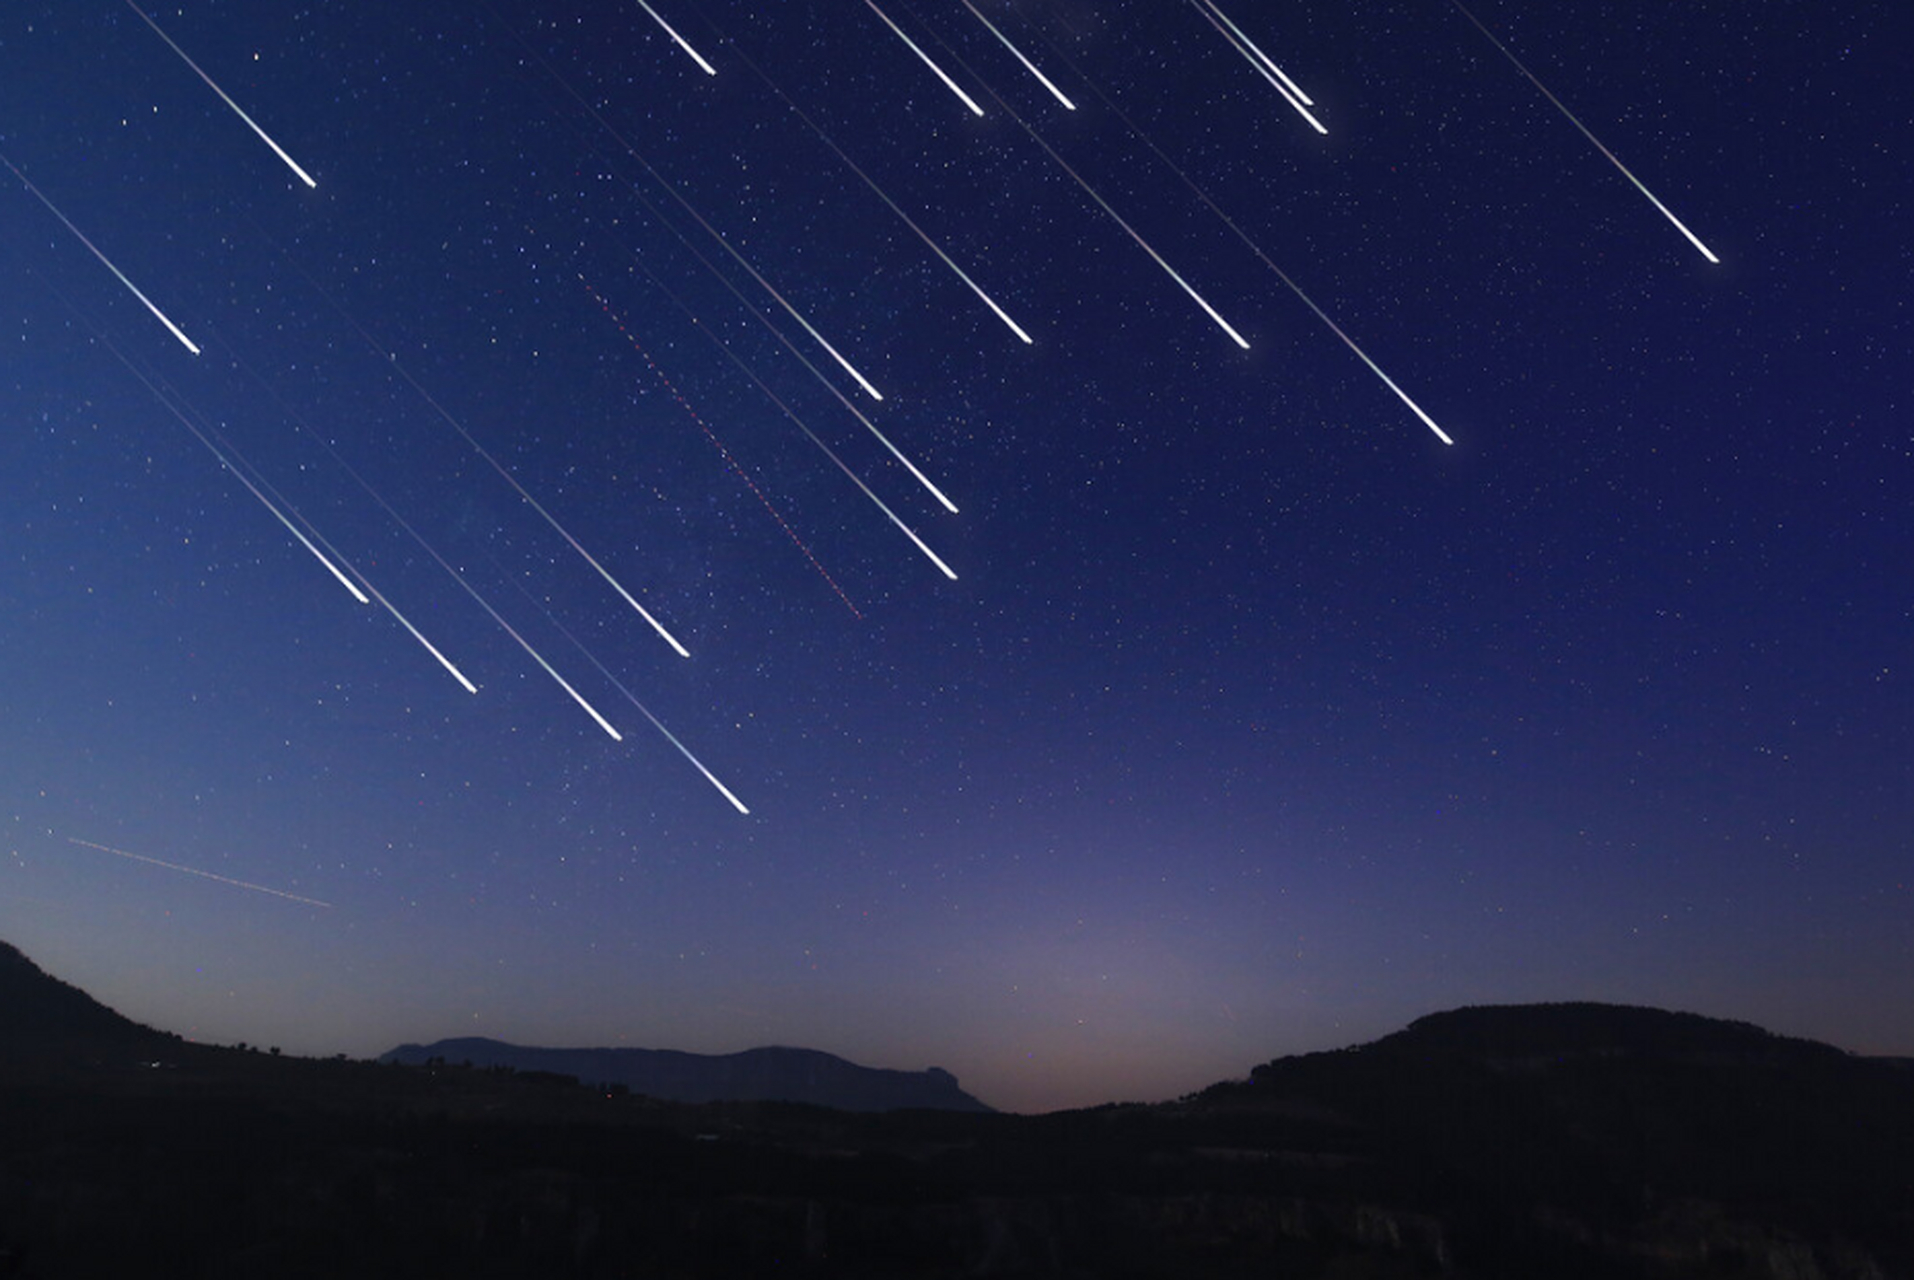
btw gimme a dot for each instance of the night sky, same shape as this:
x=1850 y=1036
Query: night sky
x=1256 y=721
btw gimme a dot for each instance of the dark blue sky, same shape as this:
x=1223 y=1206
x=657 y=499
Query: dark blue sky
x=1256 y=720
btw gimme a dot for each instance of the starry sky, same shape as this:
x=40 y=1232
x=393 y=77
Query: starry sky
x=1256 y=720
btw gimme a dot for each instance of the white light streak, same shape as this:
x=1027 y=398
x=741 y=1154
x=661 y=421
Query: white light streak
x=213 y=448
x=1257 y=60
x=278 y=515
x=377 y=596
x=1143 y=244
x=786 y=409
x=1265 y=58
x=192 y=871
x=1706 y=252
x=263 y=136
x=429 y=646
x=710 y=230
x=1028 y=65
x=1116 y=217
x=505 y=626
x=523 y=643
x=159 y=315
x=392 y=361
x=643 y=710
x=535 y=505
x=871 y=182
x=1269 y=262
x=656 y=17
x=948 y=82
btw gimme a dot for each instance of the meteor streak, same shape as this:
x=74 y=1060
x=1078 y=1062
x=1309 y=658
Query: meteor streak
x=159 y=315
x=1260 y=61
x=1117 y=218
x=524 y=644
x=1028 y=65
x=254 y=489
x=377 y=596
x=392 y=362
x=632 y=698
x=406 y=623
x=708 y=68
x=772 y=396
x=1706 y=252
x=1267 y=261
x=363 y=581
x=207 y=440
x=870 y=182
x=710 y=230
x=829 y=386
x=719 y=276
x=192 y=871
x=1262 y=57
x=480 y=600
x=290 y=164
x=948 y=82
x=494 y=614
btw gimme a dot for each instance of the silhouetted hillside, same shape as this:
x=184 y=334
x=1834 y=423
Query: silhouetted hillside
x=1625 y=1121
x=1566 y=1142
x=38 y=1010
x=1533 y=1032
x=756 y=1075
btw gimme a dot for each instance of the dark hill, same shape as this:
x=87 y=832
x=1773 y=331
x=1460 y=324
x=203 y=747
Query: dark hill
x=39 y=1012
x=756 y=1075
x=1536 y=1032
x=1639 y=1127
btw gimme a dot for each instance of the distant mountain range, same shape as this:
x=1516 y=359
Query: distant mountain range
x=1573 y=1141
x=756 y=1075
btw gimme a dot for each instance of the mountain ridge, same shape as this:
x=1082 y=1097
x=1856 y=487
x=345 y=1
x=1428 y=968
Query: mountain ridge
x=771 y=1073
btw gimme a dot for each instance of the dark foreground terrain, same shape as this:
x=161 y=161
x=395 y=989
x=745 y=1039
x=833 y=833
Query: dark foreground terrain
x=1552 y=1141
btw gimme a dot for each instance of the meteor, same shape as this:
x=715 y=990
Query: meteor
x=254 y=489
x=948 y=82
x=1018 y=54
x=391 y=360
x=1131 y=231
x=363 y=581
x=870 y=182
x=1260 y=61
x=709 y=230
x=207 y=440
x=708 y=68
x=632 y=698
x=1267 y=261
x=378 y=597
x=1116 y=217
x=494 y=614
x=829 y=386
x=1706 y=252
x=430 y=648
x=263 y=137
x=1264 y=58
x=192 y=871
x=171 y=328
x=460 y=578
x=525 y=644
x=786 y=409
